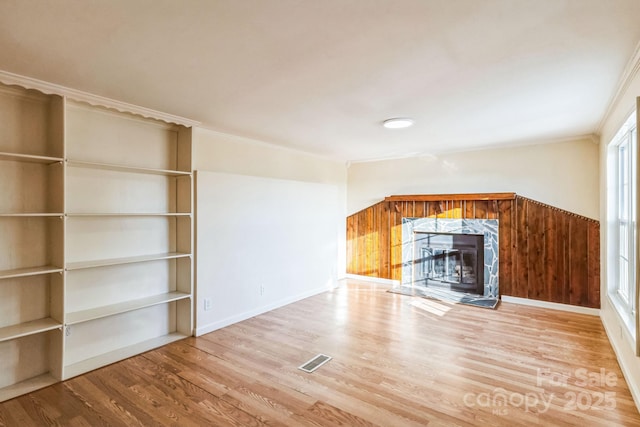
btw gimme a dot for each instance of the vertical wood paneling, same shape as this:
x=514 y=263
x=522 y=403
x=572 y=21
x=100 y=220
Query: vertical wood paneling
x=481 y=209
x=552 y=283
x=385 y=241
x=545 y=253
x=396 y=243
x=351 y=243
x=361 y=242
x=368 y=239
x=450 y=209
x=505 y=246
x=578 y=262
x=469 y=209
x=407 y=210
x=536 y=287
x=432 y=209
x=458 y=209
x=374 y=262
x=562 y=237
x=594 y=265
x=521 y=251
x=494 y=209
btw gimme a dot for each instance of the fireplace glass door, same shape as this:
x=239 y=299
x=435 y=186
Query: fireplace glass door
x=450 y=260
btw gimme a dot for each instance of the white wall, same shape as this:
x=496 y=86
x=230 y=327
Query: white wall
x=620 y=340
x=219 y=152
x=562 y=174
x=267 y=218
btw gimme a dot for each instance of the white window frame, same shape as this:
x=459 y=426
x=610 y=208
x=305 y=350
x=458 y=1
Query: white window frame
x=622 y=193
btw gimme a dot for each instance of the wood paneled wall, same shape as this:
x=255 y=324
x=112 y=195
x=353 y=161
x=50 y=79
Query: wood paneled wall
x=546 y=253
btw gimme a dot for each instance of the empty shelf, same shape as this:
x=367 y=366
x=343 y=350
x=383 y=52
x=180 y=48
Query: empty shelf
x=28 y=328
x=124 y=214
x=119 y=354
x=123 y=168
x=26 y=386
x=123 y=307
x=30 y=271
x=19 y=215
x=29 y=158
x=128 y=260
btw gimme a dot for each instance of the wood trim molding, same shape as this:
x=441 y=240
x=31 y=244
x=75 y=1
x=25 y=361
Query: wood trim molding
x=440 y=197
x=374 y=280
x=551 y=305
x=94 y=100
x=565 y=212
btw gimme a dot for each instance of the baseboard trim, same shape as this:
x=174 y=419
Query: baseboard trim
x=625 y=358
x=551 y=305
x=210 y=327
x=390 y=282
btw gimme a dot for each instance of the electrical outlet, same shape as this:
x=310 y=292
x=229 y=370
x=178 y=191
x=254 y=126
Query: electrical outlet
x=261 y=290
x=207 y=304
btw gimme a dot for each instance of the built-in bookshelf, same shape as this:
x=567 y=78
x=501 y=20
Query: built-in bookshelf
x=32 y=242
x=97 y=248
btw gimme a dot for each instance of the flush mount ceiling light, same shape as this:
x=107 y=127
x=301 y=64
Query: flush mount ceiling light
x=398 y=123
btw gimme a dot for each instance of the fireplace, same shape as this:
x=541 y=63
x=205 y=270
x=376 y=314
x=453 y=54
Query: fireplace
x=449 y=260
x=457 y=257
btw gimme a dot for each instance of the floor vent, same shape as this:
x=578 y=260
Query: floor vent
x=315 y=363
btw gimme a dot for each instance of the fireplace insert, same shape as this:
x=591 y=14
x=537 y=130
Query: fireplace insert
x=451 y=260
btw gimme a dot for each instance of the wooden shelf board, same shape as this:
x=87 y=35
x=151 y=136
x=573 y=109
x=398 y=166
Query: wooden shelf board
x=441 y=197
x=123 y=307
x=123 y=168
x=128 y=260
x=119 y=354
x=27 y=215
x=29 y=158
x=124 y=214
x=28 y=328
x=30 y=271
x=26 y=386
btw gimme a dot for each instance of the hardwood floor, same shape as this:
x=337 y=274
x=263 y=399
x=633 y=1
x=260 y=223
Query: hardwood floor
x=397 y=361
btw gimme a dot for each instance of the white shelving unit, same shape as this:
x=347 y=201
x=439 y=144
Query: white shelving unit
x=128 y=262
x=96 y=252
x=32 y=240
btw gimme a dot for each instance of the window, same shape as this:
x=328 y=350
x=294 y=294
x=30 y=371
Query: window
x=622 y=220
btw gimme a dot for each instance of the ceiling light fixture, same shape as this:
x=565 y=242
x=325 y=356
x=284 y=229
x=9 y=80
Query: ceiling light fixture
x=398 y=123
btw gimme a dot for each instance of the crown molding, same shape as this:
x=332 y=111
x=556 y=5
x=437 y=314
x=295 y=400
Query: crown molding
x=268 y=144
x=630 y=72
x=587 y=137
x=590 y=137
x=95 y=100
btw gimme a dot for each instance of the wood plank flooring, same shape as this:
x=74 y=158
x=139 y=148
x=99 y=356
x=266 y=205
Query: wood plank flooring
x=397 y=361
